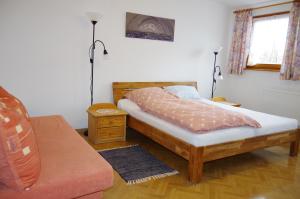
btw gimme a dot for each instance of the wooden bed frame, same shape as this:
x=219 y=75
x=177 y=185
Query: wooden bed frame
x=196 y=156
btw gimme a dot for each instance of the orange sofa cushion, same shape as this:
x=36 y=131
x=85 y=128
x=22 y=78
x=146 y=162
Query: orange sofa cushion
x=19 y=156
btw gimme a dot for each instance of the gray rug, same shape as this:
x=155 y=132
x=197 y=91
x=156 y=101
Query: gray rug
x=135 y=165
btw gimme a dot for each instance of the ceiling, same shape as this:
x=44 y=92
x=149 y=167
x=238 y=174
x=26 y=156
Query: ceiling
x=245 y=3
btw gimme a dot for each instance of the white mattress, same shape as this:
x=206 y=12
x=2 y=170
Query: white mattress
x=270 y=125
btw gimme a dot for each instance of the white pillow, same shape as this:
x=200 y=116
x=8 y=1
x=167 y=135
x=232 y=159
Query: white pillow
x=184 y=92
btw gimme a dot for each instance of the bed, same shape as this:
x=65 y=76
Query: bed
x=201 y=148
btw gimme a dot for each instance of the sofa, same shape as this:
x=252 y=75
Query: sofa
x=69 y=166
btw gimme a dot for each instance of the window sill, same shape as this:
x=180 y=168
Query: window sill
x=265 y=67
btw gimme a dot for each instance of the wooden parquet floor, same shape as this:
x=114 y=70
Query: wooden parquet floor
x=263 y=174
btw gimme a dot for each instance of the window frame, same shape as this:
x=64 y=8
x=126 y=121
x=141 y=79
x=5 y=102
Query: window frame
x=266 y=67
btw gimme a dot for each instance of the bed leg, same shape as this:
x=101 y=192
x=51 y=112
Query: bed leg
x=195 y=164
x=294 y=148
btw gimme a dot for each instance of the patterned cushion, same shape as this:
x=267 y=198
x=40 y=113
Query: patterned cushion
x=8 y=101
x=19 y=157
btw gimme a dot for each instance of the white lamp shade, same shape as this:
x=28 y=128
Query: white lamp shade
x=93 y=16
x=218 y=50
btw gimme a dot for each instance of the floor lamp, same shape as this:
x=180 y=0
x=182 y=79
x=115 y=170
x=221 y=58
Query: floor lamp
x=94 y=18
x=219 y=76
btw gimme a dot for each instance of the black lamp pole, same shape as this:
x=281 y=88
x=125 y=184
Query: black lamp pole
x=92 y=56
x=214 y=73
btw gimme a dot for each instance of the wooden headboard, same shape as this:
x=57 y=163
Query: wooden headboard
x=121 y=88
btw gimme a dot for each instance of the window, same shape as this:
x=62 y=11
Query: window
x=268 y=42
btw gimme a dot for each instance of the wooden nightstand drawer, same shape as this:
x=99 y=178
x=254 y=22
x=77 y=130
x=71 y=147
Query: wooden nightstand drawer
x=112 y=133
x=111 y=121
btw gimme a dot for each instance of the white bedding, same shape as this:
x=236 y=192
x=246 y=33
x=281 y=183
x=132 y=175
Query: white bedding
x=270 y=124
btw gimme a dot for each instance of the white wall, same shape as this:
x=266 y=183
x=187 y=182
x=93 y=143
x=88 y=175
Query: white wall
x=44 y=50
x=263 y=91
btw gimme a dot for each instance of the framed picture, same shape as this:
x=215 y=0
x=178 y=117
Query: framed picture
x=149 y=27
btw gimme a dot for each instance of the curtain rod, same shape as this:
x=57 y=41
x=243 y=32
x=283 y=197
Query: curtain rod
x=268 y=6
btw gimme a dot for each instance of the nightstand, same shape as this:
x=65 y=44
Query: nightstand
x=106 y=123
x=224 y=101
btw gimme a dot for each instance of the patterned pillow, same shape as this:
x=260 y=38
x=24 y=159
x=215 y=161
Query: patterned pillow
x=15 y=104
x=19 y=156
x=141 y=96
